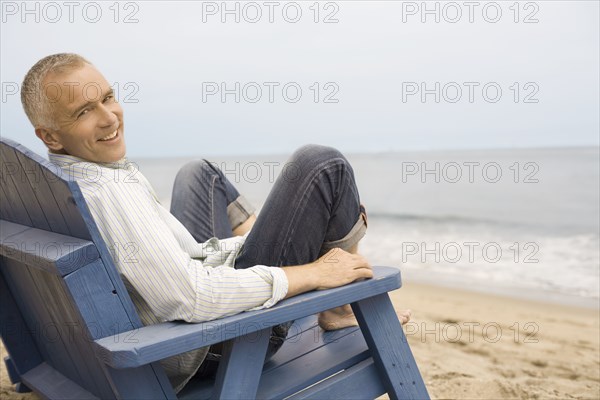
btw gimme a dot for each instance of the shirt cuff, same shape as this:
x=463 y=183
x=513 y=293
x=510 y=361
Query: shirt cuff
x=278 y=280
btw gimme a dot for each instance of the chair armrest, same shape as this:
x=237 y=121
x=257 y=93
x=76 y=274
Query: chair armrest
x=49 y=251
x=156 y=342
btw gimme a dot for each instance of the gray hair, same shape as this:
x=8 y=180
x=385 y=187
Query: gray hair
x=35 y=102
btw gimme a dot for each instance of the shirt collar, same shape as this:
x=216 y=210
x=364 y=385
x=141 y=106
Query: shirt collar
x=65 y=160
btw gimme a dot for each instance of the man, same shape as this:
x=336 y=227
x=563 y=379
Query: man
x=210 y=256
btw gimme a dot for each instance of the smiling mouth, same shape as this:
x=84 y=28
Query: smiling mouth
x=110 y=137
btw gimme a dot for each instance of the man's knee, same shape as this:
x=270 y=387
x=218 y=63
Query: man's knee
x=317 y=150
x=195 y=171
x=312 y=155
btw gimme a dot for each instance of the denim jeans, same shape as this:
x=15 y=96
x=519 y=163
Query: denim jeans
x=314 y=206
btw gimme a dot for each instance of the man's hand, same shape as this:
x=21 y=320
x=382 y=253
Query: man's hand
x=335 y=268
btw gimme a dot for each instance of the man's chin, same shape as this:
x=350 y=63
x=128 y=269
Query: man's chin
x=114 y=155
x=115 y=158
x=99 y=158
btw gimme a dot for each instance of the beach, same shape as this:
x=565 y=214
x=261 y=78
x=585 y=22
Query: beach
x=471 y=345
x=505 y=348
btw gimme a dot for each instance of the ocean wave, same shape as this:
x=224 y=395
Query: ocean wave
x=475 y=252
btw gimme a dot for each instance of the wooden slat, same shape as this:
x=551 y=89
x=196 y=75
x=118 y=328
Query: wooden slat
x=51 y=384
x=62 y=206
x=74 y=335
x=241 y=365
x=358 y=382
x=136 y=383
x=51 y=252
x=36 y=184
x=12 y=205
x=65 y=198
x=14 y=376
x=6 y=212
x=8 y=229
x=313 y=365
x=17 y=338
x=301 y=325
x=20 y=185
x=99 y=305
x=33 y=309
x=389 y=347
x=106 y=257
x=304 y=337
x=11 y=370
x=62 y=188
x=97 y=300
x=309 y=340
x=160 y=341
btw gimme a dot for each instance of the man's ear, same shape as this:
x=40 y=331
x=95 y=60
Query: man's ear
x=50 y=139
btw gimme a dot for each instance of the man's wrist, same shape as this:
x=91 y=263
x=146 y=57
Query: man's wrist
x=301 y=279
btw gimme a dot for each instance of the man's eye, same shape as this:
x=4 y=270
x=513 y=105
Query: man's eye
x=82 y=113
x=110 y=97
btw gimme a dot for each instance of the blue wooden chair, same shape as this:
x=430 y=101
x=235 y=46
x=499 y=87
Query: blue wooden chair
x=72 y=332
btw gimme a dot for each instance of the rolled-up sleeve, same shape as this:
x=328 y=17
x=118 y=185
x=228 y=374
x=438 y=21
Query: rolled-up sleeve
x=278 y=281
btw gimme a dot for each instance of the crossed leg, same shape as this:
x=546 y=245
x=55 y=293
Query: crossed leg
x=313 y=207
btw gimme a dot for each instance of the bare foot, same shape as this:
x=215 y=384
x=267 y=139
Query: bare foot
x=337 y=318
x=343 y=317
x=404 y=316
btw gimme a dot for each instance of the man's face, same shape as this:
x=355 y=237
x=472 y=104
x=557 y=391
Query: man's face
x=89 y=120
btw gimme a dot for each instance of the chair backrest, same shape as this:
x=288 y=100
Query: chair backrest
x=59 y=275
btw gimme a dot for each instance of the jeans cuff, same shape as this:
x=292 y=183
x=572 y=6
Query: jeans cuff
x=353 y=237
x=238 y=211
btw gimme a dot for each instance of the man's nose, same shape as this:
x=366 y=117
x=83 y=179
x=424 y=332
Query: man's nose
x=108 y=118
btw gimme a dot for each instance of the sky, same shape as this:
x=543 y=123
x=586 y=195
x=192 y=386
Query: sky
x=227 y=78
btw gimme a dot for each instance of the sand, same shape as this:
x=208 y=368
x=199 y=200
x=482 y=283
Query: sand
x=476 y=346
x=516 y=350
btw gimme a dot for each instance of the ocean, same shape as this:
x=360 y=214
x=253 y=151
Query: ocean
x=520 y=222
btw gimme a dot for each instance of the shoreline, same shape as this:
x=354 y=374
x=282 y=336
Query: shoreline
x=476 y=345
x=534 y=295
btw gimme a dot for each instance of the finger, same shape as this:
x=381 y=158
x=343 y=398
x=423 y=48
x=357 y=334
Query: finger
x=362 y=265
x=365 y=273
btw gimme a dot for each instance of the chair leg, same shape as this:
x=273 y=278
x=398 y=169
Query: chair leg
x=389 y=348
x=14 y=376
x=17 y=337
x=241 y=366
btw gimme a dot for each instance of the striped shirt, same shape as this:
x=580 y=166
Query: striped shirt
x=168 y=275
